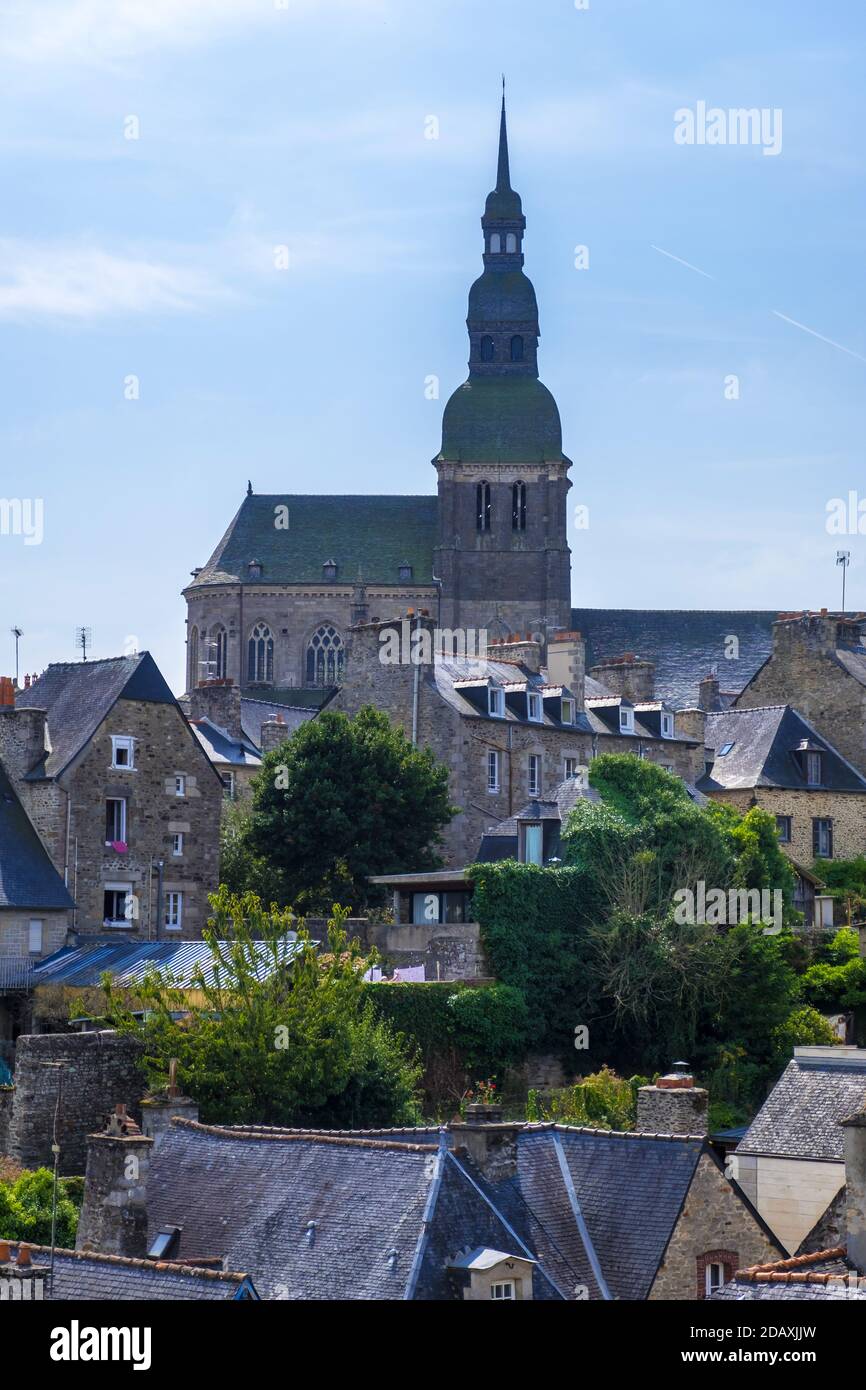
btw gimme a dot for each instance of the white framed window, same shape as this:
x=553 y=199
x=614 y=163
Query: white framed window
x=533 y=707
x=535 y=774
x=180 y=784
x=493 y=772
x=567 y=710
x=115 y=820
x=35 y=936
x=667 y=725
x=177 y=844
x=228 y=781
x=626 y=720
x=173 y=911
x=714 y=1277
x=503 y=1291
x=571 y=767
x=123 y=752
x=496 y=701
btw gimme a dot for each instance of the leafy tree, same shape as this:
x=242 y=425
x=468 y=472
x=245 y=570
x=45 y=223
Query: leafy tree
x=25 y=1209
x=265 y=1037
x=492 y=1026
x=340 y=800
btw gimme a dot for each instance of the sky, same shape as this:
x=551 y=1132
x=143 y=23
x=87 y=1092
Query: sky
x=230 y=250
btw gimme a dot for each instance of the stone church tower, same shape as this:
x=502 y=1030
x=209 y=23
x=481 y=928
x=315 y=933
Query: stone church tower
x=502 y=554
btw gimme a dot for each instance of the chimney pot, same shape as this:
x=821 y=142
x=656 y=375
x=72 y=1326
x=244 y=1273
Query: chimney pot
x=23 y=1256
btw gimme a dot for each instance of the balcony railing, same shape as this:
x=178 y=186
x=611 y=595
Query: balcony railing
x=16 y=972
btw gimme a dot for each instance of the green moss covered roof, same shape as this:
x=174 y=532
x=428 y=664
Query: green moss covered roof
x=509 y=419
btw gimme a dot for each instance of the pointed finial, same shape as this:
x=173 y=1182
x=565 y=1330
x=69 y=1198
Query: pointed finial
x=249 y=488
x=503 y=174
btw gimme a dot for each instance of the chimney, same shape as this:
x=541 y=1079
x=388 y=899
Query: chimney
x=629 y=676
x=274 y=732
x=158 y=1111
x=114 y=1211
x=20 y=1279
x=524 y=649
x=22 y=738
x=855 y=1181
x=566 y=663
x=708 y=693
x=490 y=1142
x=674 y=1105
x=220 y=702
x=7 y=692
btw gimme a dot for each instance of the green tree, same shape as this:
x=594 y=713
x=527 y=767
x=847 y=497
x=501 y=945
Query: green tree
x=25 y=1209
x=340 y=800
x=265 y=1035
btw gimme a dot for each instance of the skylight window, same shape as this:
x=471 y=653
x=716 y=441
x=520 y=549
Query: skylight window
x=724 y=750
x=164 y=1243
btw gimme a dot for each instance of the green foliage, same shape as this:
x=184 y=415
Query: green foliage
x=25 y=1209
x=337 y=802
x=602 y=1101
x=837 y=981
x=846 y=880
x=486 y=1028
x=804 y=1027
x=294 y=1044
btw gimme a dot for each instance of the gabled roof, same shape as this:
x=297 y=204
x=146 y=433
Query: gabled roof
x=500 y=840
x=84 y=1276
x=684 y=644
x=28 y=879
x=78 y=695
x=763 y=741
x=221 y=748
x=372 y=536
x=462 y=682
x=255 y=712
x=801 y=1117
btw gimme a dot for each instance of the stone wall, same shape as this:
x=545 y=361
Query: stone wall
x=715 y=1225
x=101 y=1070
x=15 y=931
x=672 y=1110
x=847 y=810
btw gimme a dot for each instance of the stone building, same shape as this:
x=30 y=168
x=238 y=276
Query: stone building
x=774 y=758
x=121 y=794
x=509 y=730
x=272 y=607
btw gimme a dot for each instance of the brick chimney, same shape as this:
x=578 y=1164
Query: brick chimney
x=674 y=1105
x=20 y=1279
x=632 y=677
x=220 y=702
x=855 y=1181
x=114 y=1212
x=490 y=1142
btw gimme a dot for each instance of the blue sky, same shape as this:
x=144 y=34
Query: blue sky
x=304 y=126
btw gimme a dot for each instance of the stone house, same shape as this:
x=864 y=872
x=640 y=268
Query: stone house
x=818 y=665
x=509 y=730
x=121 y=794
x=486 y=1209
x=790 y=1163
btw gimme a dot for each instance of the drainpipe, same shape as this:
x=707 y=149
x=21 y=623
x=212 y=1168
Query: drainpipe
x=416 y=681
x=160 y=868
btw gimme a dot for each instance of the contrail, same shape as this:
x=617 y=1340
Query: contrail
x=840 y=346
x=680 y=261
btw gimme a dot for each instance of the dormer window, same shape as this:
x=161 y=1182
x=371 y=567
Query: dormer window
x=533 y=707
x=813 y=769
x=667 y=725
x=329 y=569
x=405 y=572
x=567 y=710
x=626 y=720
x=254 y=569
x=496 y=701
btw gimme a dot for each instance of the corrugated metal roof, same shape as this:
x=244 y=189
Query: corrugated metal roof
x=128 y=962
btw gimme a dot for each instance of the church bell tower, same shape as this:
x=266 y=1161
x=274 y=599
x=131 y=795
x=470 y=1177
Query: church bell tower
x=502 y=552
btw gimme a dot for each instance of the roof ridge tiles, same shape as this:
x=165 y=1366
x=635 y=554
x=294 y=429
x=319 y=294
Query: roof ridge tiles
x=625 y=1133
x=129 y=1261
x=318 y=1137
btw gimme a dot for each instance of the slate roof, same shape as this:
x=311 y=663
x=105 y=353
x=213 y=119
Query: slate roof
x=370 y=535
x=78 y=695
x=387 y=1214
x=255 y=712
x=129 y=961
x=685 y=644
x=802 y=1115
x=500 y=840
x=764 y=740
x=825 y=1275
x=88 y=1277
x=28 y=879
x=221 y=748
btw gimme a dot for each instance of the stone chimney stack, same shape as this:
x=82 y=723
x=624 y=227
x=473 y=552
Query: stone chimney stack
x=524 y=649
x=158 y=1111
x=855 y=1180
x=566 y=663
x=220 y=702
x=274 y=732
x=114 y=1212
x=629 y=676
x=490 y=1142
x=709 y=697
x=22 y=738
x=674 y=1105
x=20 y=1279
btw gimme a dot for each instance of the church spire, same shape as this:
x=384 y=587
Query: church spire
x=503 y=173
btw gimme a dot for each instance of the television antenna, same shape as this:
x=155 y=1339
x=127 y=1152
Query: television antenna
x=83 y=639
x=17 y=634
x=843 y=558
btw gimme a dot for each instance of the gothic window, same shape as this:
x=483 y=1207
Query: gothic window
x=260 y=654
x=517 y=348
x=495 y=243
x=193 y=658
x=219 y=651
x=518 y=506
x=325 y=657
x=482 y=507
x=488 y=349
x=511 y=242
